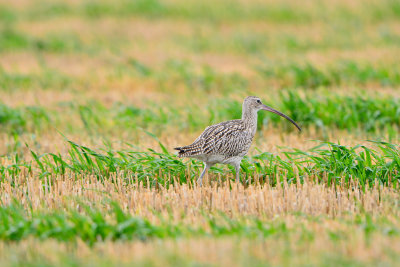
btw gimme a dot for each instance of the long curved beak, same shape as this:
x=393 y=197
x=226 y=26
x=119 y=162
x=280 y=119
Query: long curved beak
x=280 y=114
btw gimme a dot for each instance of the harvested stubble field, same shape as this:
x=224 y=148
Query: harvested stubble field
x=95 y=94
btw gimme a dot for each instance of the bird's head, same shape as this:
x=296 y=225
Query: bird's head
x=254 y=103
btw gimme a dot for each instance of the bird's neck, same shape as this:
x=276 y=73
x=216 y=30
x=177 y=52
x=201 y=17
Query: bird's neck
x=249 y=117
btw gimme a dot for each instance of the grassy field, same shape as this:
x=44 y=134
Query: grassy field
x=94 y=95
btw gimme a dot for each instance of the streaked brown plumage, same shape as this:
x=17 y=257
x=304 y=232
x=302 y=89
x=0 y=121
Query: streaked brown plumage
x=228 y=142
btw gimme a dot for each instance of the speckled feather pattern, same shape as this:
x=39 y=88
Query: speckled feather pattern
x=229 y=139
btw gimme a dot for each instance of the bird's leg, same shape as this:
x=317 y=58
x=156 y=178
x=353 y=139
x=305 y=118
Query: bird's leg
x=200 y=180
x=237 y=170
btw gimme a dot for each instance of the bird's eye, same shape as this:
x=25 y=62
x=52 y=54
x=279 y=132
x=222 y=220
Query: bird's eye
x=259 y=101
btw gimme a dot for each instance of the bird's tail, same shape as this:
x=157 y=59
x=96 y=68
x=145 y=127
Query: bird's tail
x=187 y=151
x=181 y=151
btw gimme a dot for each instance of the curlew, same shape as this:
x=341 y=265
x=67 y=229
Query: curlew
x=228 y=142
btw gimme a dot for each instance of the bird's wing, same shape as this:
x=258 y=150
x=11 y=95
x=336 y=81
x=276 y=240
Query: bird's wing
x=220 y=139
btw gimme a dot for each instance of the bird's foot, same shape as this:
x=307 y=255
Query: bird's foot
x=237 y=179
